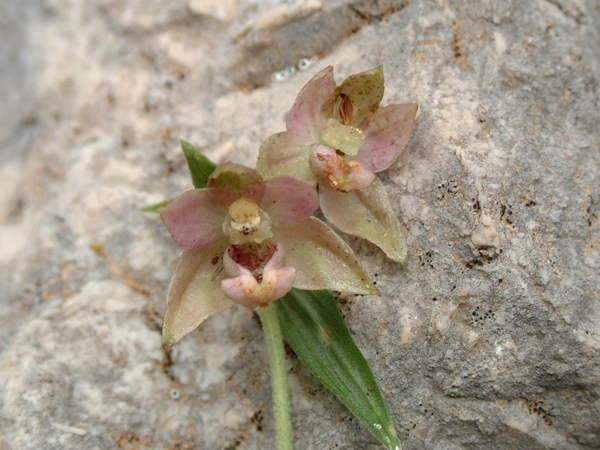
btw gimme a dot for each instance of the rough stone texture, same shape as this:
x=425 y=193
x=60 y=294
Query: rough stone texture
x=488 y=338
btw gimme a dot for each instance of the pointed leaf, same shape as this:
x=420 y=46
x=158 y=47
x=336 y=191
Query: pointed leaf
x=200 y=166
x=154 y=208
x=365 y=91
x=279 y=155
x=367 y=214
x=195 y=292
x=313 y=106
x=322 y=259
x=314 y=328
x=386 y=136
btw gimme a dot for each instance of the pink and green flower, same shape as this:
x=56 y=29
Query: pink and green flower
x=250 y=241
x=339 y=137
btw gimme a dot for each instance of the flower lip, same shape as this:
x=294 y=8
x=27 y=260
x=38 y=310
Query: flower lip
x=257 y=275
x=252 y=257
x=338 y=173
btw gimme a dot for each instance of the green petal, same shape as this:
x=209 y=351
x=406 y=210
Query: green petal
x=365 y=91
x=200 y=166
x=279 y=155
x=195 y=292
x=367 y=214
x=233 y=176
x=313 y=326
x=321 y=258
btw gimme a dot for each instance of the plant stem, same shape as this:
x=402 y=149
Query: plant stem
x=279 y=384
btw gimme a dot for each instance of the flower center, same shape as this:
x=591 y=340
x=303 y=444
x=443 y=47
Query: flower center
x=342 y=137
x=245 y=215
x=247 y=222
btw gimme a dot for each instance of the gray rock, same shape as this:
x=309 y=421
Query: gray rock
x=488 y=338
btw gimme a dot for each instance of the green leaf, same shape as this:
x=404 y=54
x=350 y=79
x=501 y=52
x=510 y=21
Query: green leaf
x=154 y=208
x=200 y=166
x=314 y=328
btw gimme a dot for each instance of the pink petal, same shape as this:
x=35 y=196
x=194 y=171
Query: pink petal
x=279 y=155
x=341 y=175
x=195 y=291
x=386 y=135
x=287 y=200
x=246 y=290
x=312 y=108
x=365 y=91
x=195 y=219
x=321 y=258
x=372 y=218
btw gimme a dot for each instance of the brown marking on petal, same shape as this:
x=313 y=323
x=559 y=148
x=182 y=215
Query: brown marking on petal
x=346 y=109
x=252 y=257
x=337 y=169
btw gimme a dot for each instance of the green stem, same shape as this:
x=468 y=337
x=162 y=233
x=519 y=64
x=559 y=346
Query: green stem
x=281 y=398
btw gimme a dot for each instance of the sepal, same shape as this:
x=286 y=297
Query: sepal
x=195 y=291
x=372 y=217
x=323 y=260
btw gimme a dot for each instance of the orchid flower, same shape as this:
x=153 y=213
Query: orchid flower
x=249 y=241
x=338 y=137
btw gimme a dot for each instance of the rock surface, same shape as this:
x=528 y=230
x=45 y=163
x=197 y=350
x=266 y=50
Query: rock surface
x=488 y=338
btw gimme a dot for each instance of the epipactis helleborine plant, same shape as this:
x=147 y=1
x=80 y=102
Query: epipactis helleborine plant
x=339 y=137
x=249 y=241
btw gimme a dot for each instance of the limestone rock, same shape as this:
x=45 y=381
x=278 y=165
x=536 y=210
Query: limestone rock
x=488 y=338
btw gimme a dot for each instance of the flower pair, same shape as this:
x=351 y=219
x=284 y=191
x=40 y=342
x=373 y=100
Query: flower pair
x=249 y=241
x=249 y=234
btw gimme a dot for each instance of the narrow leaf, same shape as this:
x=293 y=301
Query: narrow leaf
x=314 y=328
x=200 y=166
x=154 y=208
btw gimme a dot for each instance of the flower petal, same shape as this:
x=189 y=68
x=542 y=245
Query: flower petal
x=322 y=259
x=287 y=200
x=279 y=155
x=313 y=106
x=386 y=135
x=195 y=219
x=367 y=214
x=244 y=289
x=195 y=291
x=341 y=175
x=365 y=92
x=233 y=176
